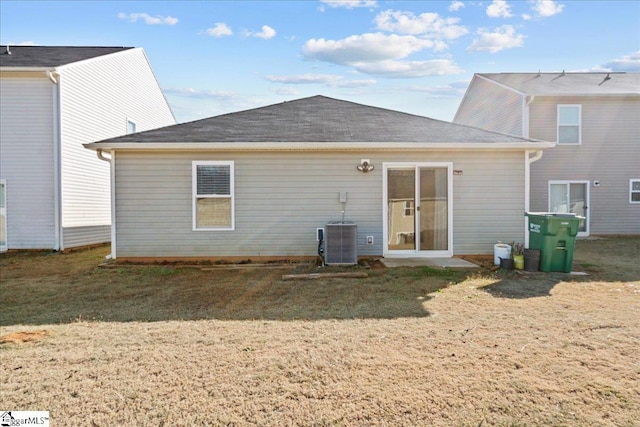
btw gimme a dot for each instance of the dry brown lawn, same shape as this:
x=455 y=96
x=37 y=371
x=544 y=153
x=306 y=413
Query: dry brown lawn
x=404 y=347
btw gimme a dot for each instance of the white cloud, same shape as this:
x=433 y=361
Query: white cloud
x=455 y=5
x=546 y=8
x=501 y=38
x=23 y=43
x=452 y=90
x=305 y=79
x=426 y=24
x=629 y=63
x=266 y=33
x=198 y=93
x=148 y=19
x=286 y=90
x=526 y=16
x=332 y=80
x=220 y=29
x=409 y=69
x=370 y=47
x=499 y=9
x=349 y=4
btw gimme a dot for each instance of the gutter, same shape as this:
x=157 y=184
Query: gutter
x=318 y=146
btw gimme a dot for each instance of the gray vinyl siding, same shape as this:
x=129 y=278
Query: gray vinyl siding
x=490 y=106
x=609 y=153
x=282 y=197
x=97 y=98
x=26 y=161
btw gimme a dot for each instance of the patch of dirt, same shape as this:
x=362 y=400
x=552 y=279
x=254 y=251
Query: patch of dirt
x=22 y=337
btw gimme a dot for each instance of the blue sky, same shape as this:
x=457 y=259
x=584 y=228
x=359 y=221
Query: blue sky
x=215 y=57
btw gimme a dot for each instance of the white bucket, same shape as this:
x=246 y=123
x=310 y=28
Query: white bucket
x=501 y=250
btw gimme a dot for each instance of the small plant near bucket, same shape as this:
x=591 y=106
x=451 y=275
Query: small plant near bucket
x=517 y=254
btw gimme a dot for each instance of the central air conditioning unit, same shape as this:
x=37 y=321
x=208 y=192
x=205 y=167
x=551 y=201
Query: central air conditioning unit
x=341 y=243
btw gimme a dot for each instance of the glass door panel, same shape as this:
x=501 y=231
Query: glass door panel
x=433 y=209
x=401 y=190
x=569 y=197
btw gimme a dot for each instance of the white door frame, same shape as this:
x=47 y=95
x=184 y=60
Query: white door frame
x=3 y=213
x=385 y=211
x=587 y=200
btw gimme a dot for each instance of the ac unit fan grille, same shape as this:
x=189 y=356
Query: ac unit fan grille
x=341 y=243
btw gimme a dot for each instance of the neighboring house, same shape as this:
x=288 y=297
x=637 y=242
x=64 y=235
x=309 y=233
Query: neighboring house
x=595 y=118
x=54 y=194
x=258 y=183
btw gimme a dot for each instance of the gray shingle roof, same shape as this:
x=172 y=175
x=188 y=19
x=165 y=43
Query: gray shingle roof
x=316 y=119
x=569 y=83
x=51 y=56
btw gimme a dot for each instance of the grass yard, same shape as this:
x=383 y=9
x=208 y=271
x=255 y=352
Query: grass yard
x=160 y=345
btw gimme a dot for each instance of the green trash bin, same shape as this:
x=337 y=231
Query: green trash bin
x=554 y=234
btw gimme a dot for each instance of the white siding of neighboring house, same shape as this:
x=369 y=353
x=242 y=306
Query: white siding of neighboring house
x=490 y=106
x=98 y=96
x=282 y=197
x=26 y=161
x=609 y=153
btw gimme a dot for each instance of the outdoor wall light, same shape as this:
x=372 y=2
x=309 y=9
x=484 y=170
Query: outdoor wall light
x=364 y=166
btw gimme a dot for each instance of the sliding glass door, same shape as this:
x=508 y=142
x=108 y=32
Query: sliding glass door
x=417 y=209
x=571 y=197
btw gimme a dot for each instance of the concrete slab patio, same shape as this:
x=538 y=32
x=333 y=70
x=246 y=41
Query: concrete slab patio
x=428 y=262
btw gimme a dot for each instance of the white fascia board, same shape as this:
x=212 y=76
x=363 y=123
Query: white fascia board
x=25 y=69
x=319 y=146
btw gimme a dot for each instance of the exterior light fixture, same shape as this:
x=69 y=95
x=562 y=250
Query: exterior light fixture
x=365 y=166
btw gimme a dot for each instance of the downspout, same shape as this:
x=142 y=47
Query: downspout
x=537 y=155
x=526 y=101
x=58 y=244
x=112 y=166
x=101 y=156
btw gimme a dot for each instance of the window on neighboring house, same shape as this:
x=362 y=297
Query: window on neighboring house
x=213 y=195
x=408 y=208
x=569 y=124
x=131 y=127
x=634 y=191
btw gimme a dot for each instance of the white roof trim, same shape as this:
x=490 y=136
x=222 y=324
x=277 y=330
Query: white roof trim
x=565 y=95
x=318 y=146
x=25 y=69
x=502 y=85
x=96 y=58
x=555 y=94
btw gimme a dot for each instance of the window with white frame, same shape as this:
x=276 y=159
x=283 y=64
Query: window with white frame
x=409 y=208
x=634 y=191
x=131 y=126
x=569 y=124
x=213 y=195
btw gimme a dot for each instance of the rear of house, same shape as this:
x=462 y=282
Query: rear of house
x=259 y=183
x=53 y=99
x=595 y=119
